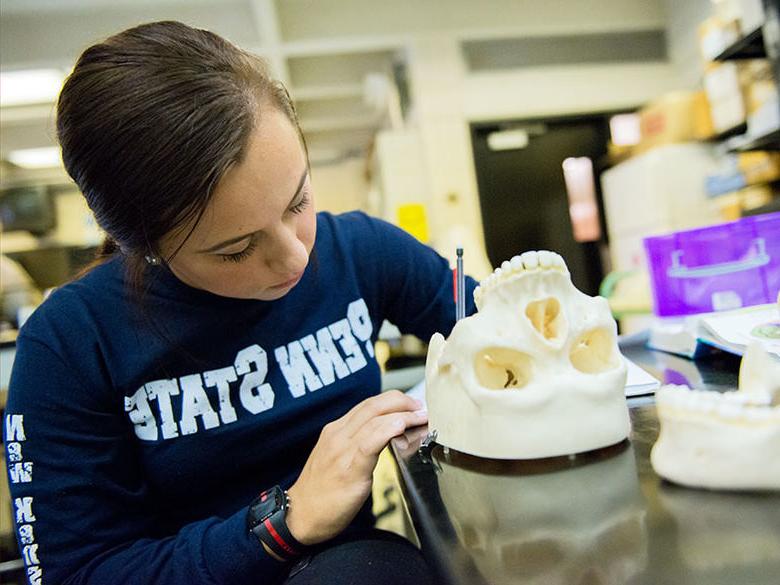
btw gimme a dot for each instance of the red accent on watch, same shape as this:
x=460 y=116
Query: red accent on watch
x=279 y=540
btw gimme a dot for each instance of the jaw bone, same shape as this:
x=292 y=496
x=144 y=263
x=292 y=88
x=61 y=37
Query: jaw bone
x=535 y=373
x=723 y=441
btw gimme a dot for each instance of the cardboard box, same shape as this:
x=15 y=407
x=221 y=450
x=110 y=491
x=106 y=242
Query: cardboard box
x=681 y=116
x=715 y=34
x=750 y=14
x=759 y=166
x=728 y=89
x=763 y=101
x=728 y=113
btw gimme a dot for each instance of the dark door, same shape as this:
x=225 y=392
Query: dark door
x=523 y=195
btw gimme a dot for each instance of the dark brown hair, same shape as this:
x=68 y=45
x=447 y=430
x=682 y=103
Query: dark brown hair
x=149 y=121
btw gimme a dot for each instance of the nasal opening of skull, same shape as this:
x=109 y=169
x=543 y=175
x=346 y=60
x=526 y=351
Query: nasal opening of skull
x=594 y=352
x=547 y=318
x=500 y=368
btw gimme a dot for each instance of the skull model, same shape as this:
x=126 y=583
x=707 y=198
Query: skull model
x=535 y=373
x=723 y=441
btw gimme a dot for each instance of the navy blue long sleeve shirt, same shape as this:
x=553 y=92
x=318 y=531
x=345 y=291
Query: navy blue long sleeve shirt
x=136 y=439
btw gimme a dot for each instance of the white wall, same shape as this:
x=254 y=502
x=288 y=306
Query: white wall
x=340 y=187
x=564 y=90
x=306 y=19
x=682 y=19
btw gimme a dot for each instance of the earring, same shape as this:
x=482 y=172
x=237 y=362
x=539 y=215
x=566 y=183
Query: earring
x=153 y=260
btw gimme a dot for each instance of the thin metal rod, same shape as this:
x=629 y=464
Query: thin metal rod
x=460 y=305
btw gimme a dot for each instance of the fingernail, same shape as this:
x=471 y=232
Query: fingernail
x=419 y=403
x=421 y=412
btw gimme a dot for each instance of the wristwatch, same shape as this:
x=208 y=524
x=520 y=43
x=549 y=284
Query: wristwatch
x=266 y=520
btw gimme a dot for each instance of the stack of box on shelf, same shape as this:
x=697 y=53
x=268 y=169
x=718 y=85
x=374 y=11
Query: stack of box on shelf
x=738 y=78
x=744 y=182
x=739 y=81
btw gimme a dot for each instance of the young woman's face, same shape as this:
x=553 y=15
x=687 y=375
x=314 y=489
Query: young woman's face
x=255 y=236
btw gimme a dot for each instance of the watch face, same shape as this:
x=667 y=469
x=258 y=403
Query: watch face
x=269 y=502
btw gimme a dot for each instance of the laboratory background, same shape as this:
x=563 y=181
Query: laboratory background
x=638 y=139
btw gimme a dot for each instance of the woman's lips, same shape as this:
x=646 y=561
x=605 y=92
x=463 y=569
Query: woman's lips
x=287 y=284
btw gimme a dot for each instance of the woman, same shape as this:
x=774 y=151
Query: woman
x=203 y=405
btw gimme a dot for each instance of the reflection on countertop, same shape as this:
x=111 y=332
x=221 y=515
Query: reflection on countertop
x=521 y=521
x=602 y=517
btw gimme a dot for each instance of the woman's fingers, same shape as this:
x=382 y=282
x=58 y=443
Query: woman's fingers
x=376 y=433
x=376 y=406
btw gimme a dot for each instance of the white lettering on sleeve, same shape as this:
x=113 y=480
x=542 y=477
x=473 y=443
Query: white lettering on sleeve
x=30 y=554
x=325 y=356
x=343 y=334
x=255 y=394
x=162 y=390
x=21 y=472
x=194 y=403
x=360 y=321
x=221 y=379
x=14 y=427
x=296 y=369
x=14 y=452
x=26 y=534
x=34 y=575
x=24 y=513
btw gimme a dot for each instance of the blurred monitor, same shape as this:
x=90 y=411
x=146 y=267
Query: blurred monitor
x=28 y=208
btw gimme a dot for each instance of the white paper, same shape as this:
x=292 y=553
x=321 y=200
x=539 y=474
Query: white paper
x=742 y=327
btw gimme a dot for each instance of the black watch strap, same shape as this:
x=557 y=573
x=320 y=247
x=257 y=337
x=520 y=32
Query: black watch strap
x=267 y=522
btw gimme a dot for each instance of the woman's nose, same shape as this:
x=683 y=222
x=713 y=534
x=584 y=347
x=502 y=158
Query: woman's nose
x=287 y=255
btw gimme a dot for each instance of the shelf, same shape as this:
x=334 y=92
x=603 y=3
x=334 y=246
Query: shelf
x=751 y=46
x=771 y=207
x=737 y=130
x=769 y=141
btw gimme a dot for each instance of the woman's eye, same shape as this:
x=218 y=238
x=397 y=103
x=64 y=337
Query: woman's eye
x=243 y=254
x=301 y=205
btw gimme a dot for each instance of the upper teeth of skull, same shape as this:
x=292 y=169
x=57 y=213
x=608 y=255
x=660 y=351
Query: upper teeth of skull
x=730 y=407
x=527 y=261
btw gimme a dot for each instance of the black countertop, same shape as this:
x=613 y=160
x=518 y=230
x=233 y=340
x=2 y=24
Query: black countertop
x=602 y=517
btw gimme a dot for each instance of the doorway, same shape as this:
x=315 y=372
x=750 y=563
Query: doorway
x=523 y=195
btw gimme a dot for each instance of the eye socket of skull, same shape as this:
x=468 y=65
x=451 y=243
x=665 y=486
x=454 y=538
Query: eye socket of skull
x=593 y=352
x=532 y=559
x=547 y=318
x=499 y=368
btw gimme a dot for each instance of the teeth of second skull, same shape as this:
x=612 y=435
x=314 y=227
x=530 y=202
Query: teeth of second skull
x=530 y=260
x=731 y=406
x=516 y=263
x=546 y=259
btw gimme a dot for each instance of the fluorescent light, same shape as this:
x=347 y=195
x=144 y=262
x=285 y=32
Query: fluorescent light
x=36 y=158
x=30 y=86
x=507 y=140
x=624 y=129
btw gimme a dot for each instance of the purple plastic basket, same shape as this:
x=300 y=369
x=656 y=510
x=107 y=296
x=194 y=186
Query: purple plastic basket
x=717 y=268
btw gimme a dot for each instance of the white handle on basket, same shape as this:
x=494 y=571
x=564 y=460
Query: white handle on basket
x=679 y=270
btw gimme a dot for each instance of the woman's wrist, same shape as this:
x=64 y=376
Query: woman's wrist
x=297 y=523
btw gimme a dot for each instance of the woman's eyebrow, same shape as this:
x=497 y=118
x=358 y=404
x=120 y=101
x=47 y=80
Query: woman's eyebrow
x=245 y=236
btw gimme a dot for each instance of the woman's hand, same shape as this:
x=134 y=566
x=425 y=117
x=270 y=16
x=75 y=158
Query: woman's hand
x=336 y=479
